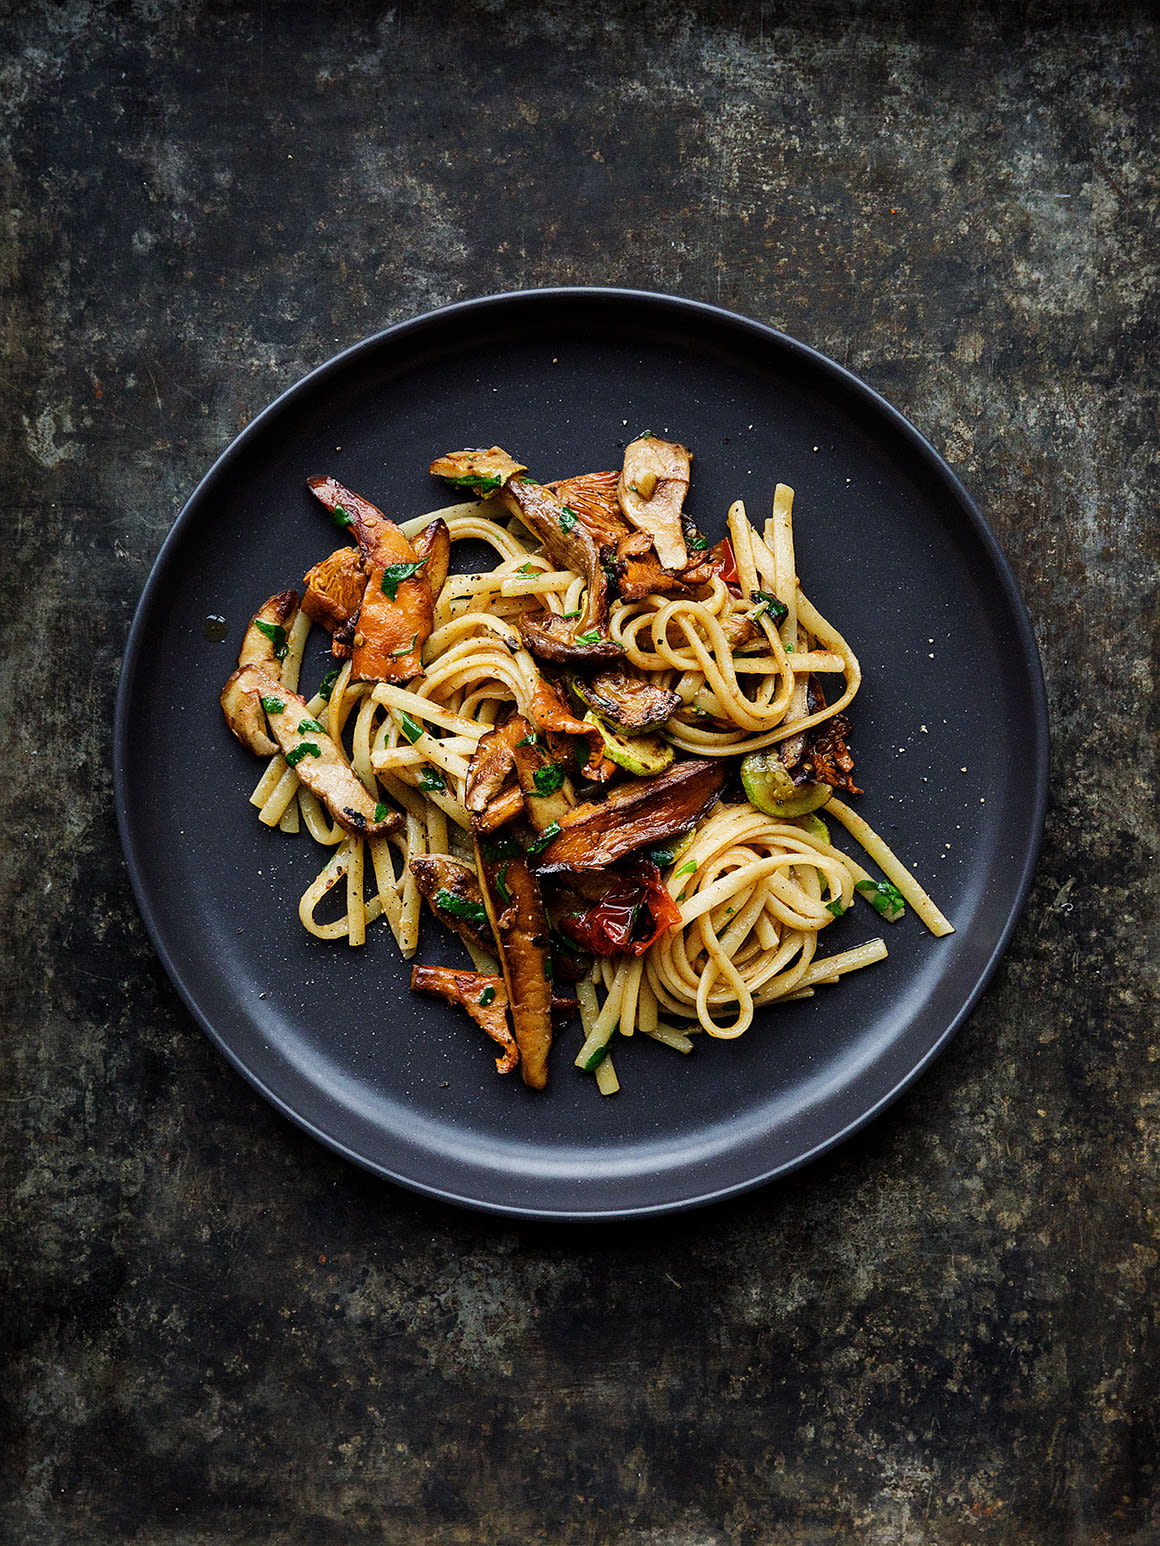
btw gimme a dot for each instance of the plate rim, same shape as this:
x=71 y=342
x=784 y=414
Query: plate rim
x=709 y=314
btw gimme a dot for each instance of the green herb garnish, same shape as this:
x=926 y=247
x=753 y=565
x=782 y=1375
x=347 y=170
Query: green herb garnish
x=548 y=778
x=274 y=705
x=304 y=749
x=481 y=483
x=328 y=681
x=526 y=569
x=835 y=907
x=381 y=811
x=342 y=517
x=458 y=907
x=568 y=519
x=501 y=884
x=486 y=997
x=591 y=637
x=309 y=724
x=432 y=781
x=886 y=900
x=776 y=609
x=409 y=728
x=545 y=837
x=698 y=543
x=688 y=869
x=395 y=574
x=495 y=849
x=276 y=635
x=407 y=649
x=577 y=613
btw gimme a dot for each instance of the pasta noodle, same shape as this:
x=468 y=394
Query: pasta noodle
x=745 y=653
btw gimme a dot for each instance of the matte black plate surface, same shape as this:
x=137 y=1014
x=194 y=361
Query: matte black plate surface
x=950 y=739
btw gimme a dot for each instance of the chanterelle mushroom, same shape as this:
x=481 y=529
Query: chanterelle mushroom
x=653 y=483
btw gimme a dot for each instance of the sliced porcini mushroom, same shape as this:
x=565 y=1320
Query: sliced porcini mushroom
x=245 y=715
x=485 y=999
x=263 y=645
x=265 y=640
x=628 y=702
x=397 y=606
x=315 y=758
x=334 y=593
x=652 y=487
x=515 y=908
x=433 y=546
x=479 y=470
x=592 y=497
x=452 y=892
x=636 y=814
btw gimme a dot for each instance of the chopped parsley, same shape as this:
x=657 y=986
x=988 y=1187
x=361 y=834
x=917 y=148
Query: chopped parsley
x=309 y=724
x=835 y=907
x=526 y=569
x=459 y=907
x=408 y=649
x=545 y=837
x=569 y=615
x=495 y=849
x=776 y=609
x=568 y=518
x=273 y=705
x=501 y=884
x=395 y=574
x=381 y=811
x=688 y=869
x=591 y=637
x=481 y=483
x=304 y=749
x=486 y=997
x=432 y=781
x=698 y=543
x=342 y=517
x=886 y=900
x=548 y=778
x=328 y=682
x=276 y=635
x=409 y=728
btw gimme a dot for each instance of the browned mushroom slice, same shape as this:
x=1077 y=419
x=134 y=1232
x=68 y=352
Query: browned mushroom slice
x=492 y=764
x=397 y=606
x=653 y=483
x=627 y=702
x=515 y=908
x=551 y=638
x=433 y=546
x=245 y=716
x=481 y=471
x=592 y=497
x=639 y=572
x=484 y=998
x=556 y=721
x=334 y=593
x=543 y=784
x=453 y=894
x=315 y=758
x=264 y=645
x=636 y=814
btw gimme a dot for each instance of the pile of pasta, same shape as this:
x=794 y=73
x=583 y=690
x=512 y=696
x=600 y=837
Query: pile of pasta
x=751 y=891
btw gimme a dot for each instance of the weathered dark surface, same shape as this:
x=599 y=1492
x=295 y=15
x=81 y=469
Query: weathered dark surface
x=947 y=1331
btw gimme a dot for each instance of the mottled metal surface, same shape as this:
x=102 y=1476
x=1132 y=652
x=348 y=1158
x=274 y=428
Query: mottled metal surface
x=216 y=1331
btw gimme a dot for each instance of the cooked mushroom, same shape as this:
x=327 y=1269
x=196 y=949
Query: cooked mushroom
x=481 y=471
x=653 y=483
x=264 y=646
x=592 y=497
x=567 y=539
x=543 y=783
x=397 y=607
x=639 y=572
x=636 y=814
x=628 y=702
x=556 y=722
x=484 y=998
x=492 y=765
x=515 y=908
x=334 y=594
x=453 y=894
x=314 y=756
x=433 y=547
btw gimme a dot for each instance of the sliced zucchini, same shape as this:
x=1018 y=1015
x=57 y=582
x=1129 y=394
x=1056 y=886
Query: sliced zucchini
x=815 y=826
x=640 y=754
x=769 y=787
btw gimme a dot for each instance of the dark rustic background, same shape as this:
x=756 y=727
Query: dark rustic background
x=945 y=1332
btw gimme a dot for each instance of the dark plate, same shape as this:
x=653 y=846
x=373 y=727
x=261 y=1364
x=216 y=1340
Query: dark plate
x=950 y=737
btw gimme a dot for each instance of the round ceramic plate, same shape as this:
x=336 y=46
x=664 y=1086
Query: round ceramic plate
x=949 y=734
